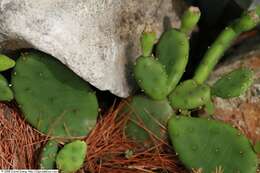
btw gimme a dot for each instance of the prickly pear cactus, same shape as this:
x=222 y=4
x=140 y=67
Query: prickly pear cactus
x=155 y=78
x=234 y=83
x=189 y=95
x=48 y=155
x=6 y=62
x=6 y=94
x=158 y=76
x=71 y=157
x=151 y=114
x=52 y=98
x=246 y=22
x=209 y=144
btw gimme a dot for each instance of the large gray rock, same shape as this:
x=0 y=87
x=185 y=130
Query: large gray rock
x=97 y=39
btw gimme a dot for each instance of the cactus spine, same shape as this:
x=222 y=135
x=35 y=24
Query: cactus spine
x=215 y=52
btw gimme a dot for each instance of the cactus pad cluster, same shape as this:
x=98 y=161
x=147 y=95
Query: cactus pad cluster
x=61 y=105
x=158 y=75
x=200 y=143
x=56 y=102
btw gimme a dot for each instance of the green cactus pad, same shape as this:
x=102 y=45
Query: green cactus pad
x=52 y=98
x=151 y=114
x=6 y=63
x=173 y=53
x=234 y=83
x=207 y=144
x=246 y=22
x=189 y=95
x=148 y=40
x=71 y=157
x=151 y=77
x=6 y=94
x=48 y=155
x=189 y=19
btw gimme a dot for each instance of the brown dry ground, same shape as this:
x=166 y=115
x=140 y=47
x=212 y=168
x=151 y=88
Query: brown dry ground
x=19 y=142
x=20 y=146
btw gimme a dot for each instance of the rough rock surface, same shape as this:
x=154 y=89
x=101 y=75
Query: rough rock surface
x=244 y=111
x=97 y=39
